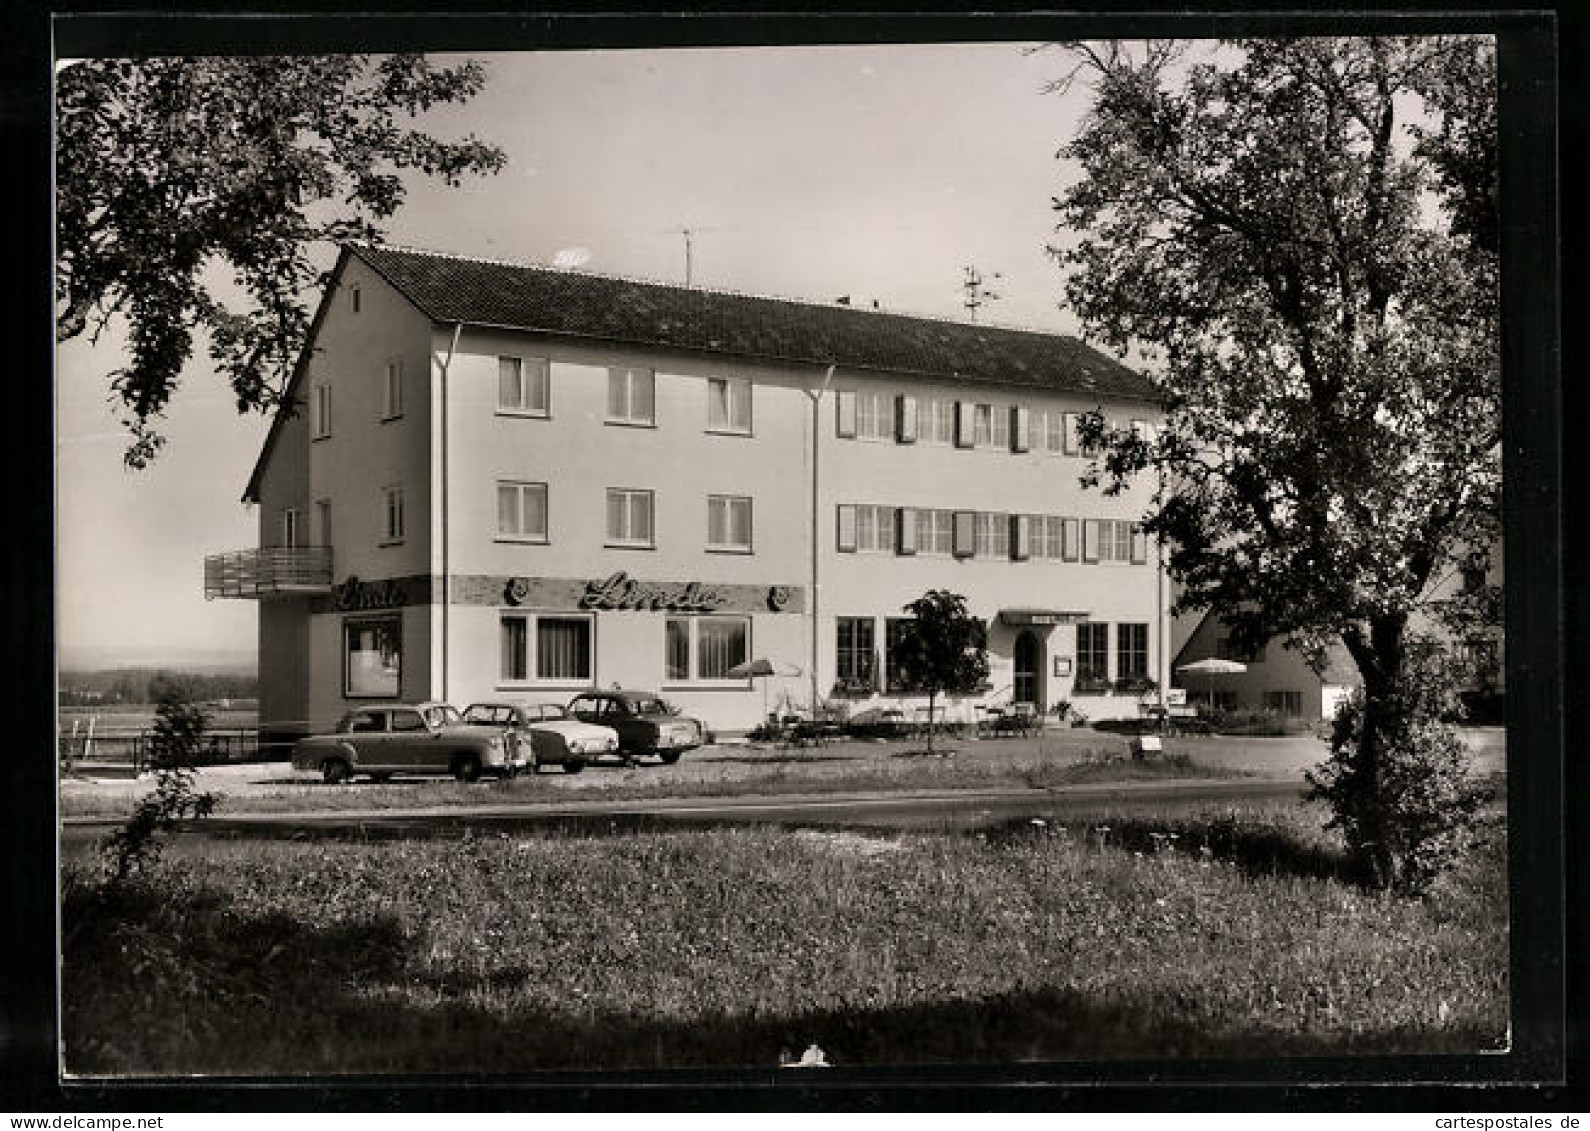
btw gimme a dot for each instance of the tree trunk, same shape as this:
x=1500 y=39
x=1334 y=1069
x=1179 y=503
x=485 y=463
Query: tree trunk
x=1382 y=661
x=932 y=695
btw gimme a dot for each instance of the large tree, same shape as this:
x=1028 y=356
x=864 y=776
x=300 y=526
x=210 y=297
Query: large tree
x=1300 y=237
x=943 y=649
x=175 y=174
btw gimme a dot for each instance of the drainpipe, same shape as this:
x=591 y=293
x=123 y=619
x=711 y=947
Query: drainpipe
x=446 y=491
x=817 y=399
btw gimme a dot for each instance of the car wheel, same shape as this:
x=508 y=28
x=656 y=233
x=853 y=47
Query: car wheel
x=669 y=757
x=574 y=765
x=334 y=771
x=466 y=767
x=380 y=779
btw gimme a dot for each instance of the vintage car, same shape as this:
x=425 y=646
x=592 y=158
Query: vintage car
x=645 y=724
x=418 y=738
x=547 y=734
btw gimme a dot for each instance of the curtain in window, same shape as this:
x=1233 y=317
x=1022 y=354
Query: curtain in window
x=563 y=648
x=508 y=509
x=721 y=644
x=510 y=382
x=374 y=657
x=515 y=664
x=677 y=645
x=533 y=500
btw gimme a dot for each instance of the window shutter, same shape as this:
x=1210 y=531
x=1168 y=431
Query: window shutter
x=847 y=529
x=1070 y=532
x=965 y=430
x=1020 y=536
x=1139 y=545
x=965 y=534
x=1020 y=424
x=905 y=419
x=1070 y=438
x=846 y=404
x=1090 y=539
x=905 y=530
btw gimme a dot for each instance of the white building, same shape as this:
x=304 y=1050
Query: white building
x=513 y=482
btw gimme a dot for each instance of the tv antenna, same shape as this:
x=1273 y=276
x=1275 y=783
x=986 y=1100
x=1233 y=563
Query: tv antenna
x=689 y=234
x=976 y=293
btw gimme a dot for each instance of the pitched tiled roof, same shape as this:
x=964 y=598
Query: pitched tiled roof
x=576 y=303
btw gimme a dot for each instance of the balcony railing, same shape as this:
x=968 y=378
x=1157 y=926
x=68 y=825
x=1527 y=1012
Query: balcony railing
x=267 y=571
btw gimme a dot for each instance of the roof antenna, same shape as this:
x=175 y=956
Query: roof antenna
x=976 y=294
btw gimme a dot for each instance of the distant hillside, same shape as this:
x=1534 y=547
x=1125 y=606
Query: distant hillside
x=144 y=685
x=77 y=659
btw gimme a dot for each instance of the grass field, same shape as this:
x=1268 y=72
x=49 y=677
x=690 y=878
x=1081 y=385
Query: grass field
x=1235 y=937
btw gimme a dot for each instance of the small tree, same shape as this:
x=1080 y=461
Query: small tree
x=174 y=746
x=944 y=649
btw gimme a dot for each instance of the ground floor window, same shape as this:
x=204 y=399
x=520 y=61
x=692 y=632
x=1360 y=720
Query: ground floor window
x=853 y=659
x=1131 y=652
x=551 y=647
x=372 y=658
x=705 y=647
x=1093 y=656
x=1289 y=703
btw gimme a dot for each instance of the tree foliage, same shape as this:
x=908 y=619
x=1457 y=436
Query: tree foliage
x=174 y=745
x=167 y=168
x=943 y=650
x=1301 y=237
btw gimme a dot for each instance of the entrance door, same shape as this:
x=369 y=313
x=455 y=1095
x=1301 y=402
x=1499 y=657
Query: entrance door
x=1027 y=687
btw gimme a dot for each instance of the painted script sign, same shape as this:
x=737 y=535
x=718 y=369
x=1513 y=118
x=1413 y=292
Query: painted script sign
x=620 y=591
x=353 y=595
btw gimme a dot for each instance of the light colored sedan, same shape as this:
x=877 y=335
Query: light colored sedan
x=419 y=738
x=548 y=734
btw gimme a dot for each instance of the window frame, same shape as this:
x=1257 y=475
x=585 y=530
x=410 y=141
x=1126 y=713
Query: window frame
x=292 y=528
x=1086 y=672
x=392 y=391
x=523 y=536
x=629 y=419
x=991 y=535
x=349 y=624
x=851 y=658
x=630 y=542
x=931 y=420
x=529 y=660
x=728 y=547
x=884 y=526
x=880 y=417
x=729 y=427
x=530 y=367
x=1131 y=646
x=694 y=654
x=320 y=410
x=390 y=493
x=927 y=523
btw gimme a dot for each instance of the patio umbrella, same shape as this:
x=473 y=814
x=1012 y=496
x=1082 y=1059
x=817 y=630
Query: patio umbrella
x=761 y=668
x=1213 y=667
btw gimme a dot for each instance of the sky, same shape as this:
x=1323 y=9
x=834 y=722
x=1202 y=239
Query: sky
x=807 y=172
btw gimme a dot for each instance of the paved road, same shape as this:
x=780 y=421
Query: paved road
x=958 y=809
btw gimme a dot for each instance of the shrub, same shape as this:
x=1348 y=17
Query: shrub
x=1405 y=809
x=174 y=746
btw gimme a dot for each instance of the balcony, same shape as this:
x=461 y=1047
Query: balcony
x=268 y=571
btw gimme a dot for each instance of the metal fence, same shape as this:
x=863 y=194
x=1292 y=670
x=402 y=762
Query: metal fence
x=129 y=749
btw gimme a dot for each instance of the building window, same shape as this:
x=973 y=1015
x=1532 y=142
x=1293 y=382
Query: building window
x=323 y=521
x=729 y=523
x=1054 y=432
x=936 y=420
x=1131 y=652
x=853 y=657
x=717 y=644
x=353 y=298
x=873 y=416
x=875 y=531
x=555 y=648
x=1288 y=703
x=372 y=653
x=999 y=430
x=391 y=514
x=982 y=425
x=392 y=392
x=522 y=511
x=993 y=535
x=523 y=388
x=728 y=405
x=1093 y=656
x=1048 y=536
x=629 y=518
x=320 y=411
x=935 y=532
x=292 y=527
x=894 y=630
x=631 y=396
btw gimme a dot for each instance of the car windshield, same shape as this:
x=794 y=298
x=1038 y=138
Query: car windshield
x=442 y=715
x=481 y=713
x=650 y=707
